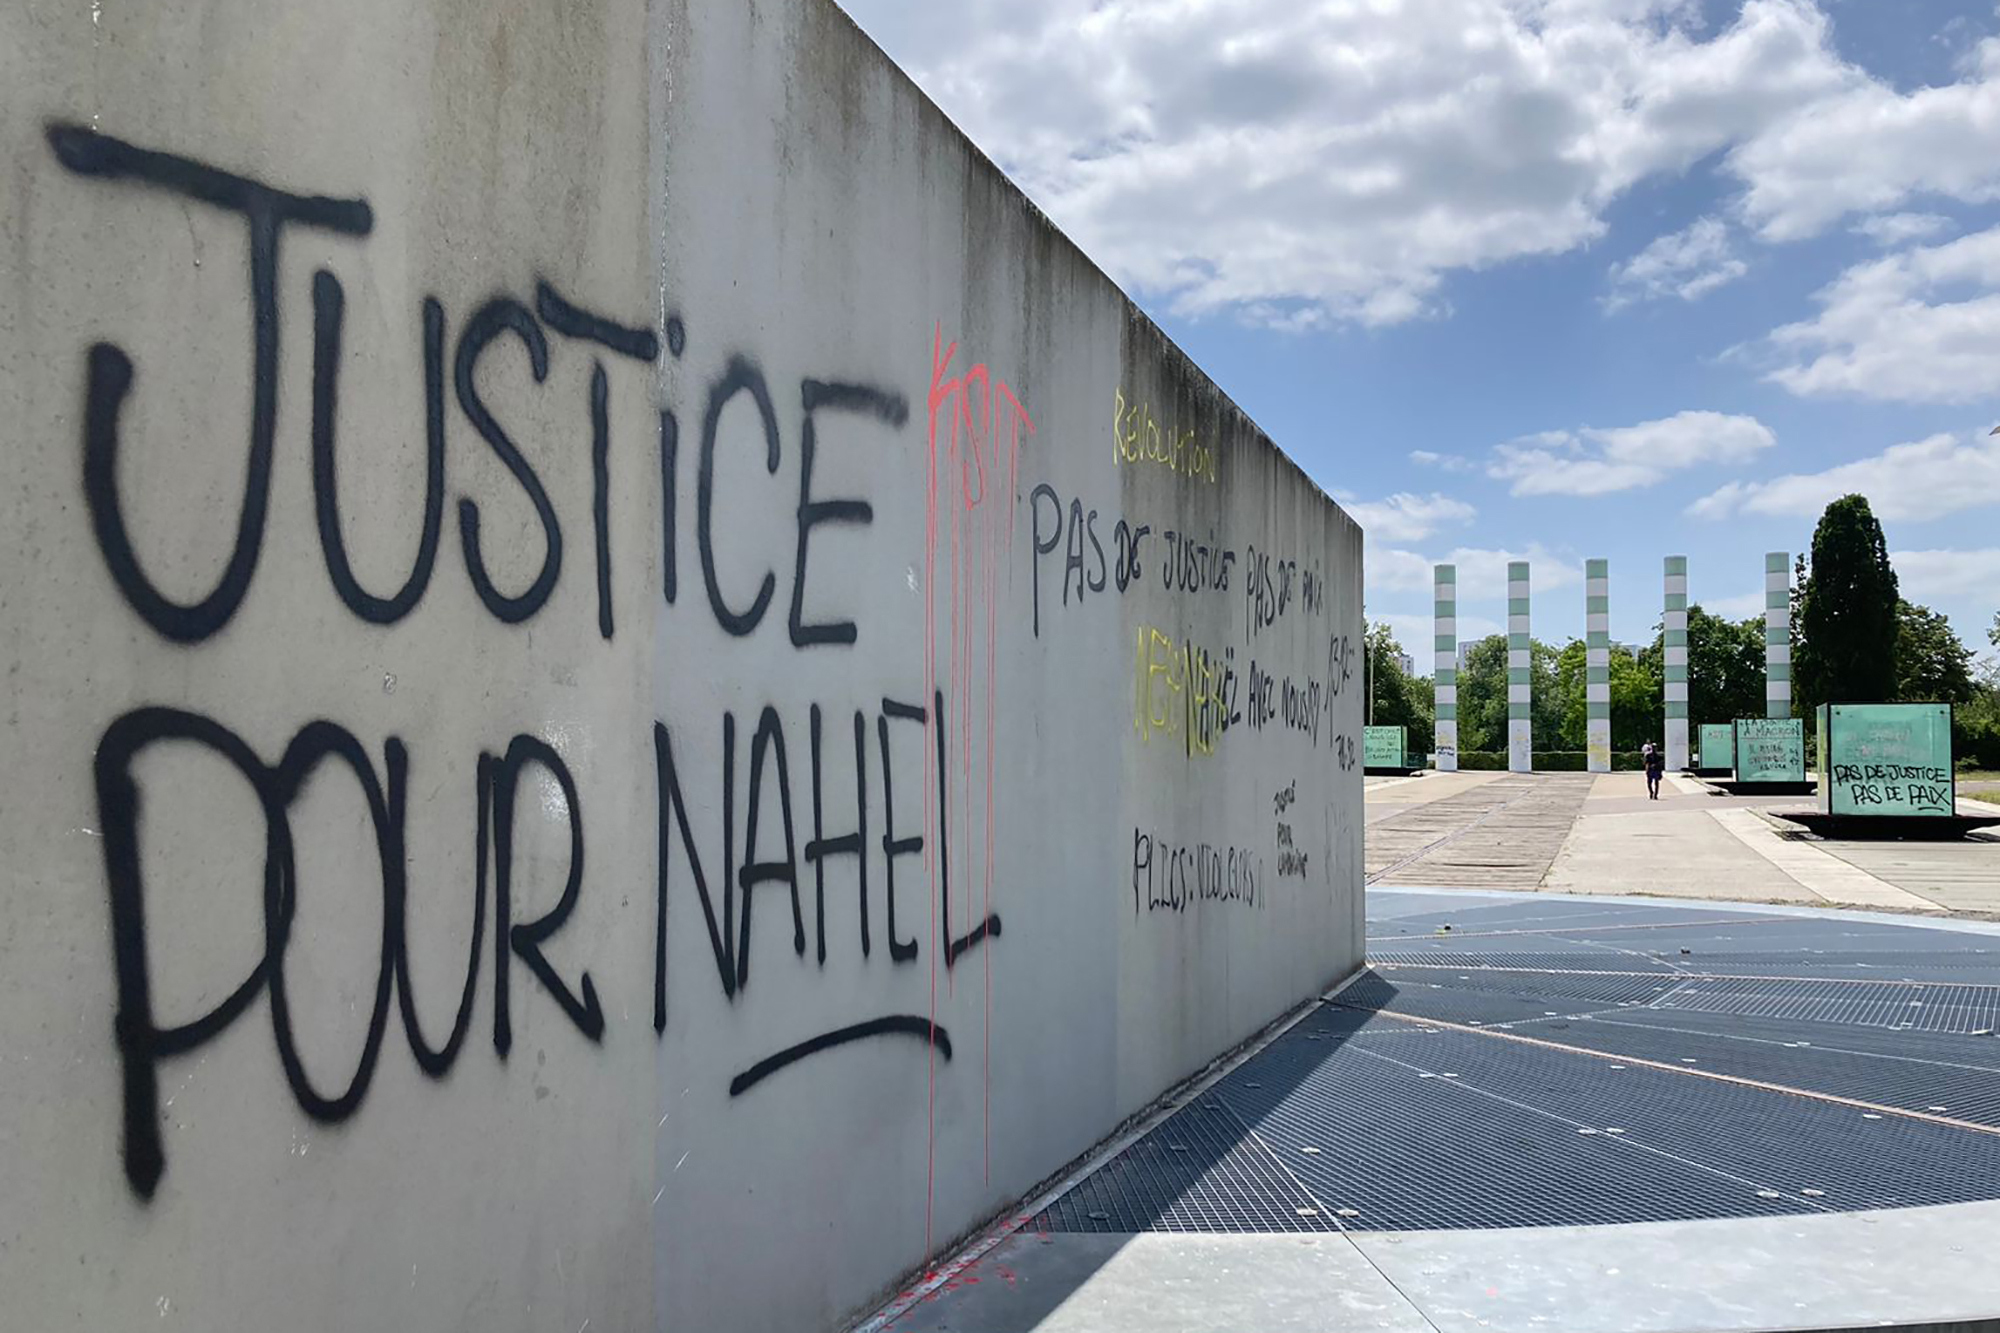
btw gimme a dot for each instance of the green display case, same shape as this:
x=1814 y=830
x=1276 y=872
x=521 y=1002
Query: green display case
x=1718 y=747
x=1892 y=760
x=1771 y=750
x=1384 y=747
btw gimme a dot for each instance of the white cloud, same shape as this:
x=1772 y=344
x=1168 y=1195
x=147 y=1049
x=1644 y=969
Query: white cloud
x=1415 y=632
x=1471 y=629
x=1742 y=606
x=1598 y=461
x=1393 y=570
x=1442 y=462
x=1404 y=517
x=1920 y=480
x=1482 y=572
x=1327 y=160
x=1319 y=161
x=1943 y=575
x=1920 y=326
x=1890 y=230
x=1689 y=264
x=1868 y=148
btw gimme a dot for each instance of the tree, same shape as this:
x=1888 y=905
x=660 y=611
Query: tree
x=1482 y=695
x=1976 y=724
x=1725 y=667
x=1845 y=637
x=1993 y=635
x=1932 y=666
x=1399 y=698
x=1545 y=702
x=1638 y=701
x=1572 y=691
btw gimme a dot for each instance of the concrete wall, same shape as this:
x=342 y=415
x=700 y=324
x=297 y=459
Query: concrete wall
x=632 y=695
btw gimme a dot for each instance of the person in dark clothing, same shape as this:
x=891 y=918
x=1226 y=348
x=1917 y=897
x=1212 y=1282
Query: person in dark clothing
x=1656 y=768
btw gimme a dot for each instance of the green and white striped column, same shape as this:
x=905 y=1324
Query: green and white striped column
x=1445 y=666
x=1520 y=692
x=1597 y=663
x=1674 y=629
x=1778 y=634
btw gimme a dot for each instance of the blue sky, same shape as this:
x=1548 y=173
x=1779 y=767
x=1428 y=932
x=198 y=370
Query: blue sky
x=1545 y=279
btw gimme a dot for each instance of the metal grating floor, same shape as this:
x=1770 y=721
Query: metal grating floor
x=1200 y=1171
x=1783 y=1065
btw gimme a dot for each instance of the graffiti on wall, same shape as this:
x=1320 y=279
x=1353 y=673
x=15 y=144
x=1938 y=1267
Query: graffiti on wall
x=766 y=858
x=903 y=857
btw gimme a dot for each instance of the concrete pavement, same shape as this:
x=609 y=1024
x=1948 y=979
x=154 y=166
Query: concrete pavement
x=1570 y=833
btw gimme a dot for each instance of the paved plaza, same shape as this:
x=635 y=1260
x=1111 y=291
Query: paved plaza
x=1579 y=833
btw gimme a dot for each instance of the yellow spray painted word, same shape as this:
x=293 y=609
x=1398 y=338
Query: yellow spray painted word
x=1181 y=691
x=1136 y=437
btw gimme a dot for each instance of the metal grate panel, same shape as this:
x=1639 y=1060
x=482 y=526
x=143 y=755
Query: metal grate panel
x=1199 y=1171
x=1358 y=1119
x=1934 y=1007
x=1819 y=1064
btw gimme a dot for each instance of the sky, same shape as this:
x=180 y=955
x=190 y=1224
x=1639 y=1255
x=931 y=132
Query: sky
x=1544 y=279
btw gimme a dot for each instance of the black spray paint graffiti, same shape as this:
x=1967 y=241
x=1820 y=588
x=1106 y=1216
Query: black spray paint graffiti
x=110 y=376
x=1174 y=876
x=1291 y=858
x=142 y=1043
x=1271 y=587
x=266 y=212
x=1099 y=554
x=1905 y=787
x=729 y=932
x=1194 y=565
x=1053 y=527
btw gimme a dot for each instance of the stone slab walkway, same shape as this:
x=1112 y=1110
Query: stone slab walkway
x=1575 y=833
x=1499 y=834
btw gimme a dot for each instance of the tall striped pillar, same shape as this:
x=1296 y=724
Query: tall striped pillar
x=1520 y=692
x=1597 y=663
x=1675 y=644
x=1445 y=666
x=1778 y=634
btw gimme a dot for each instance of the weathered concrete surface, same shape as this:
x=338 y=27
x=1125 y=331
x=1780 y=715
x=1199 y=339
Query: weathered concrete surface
x=1502 y=833
x=1165 y=1283
x=1906 y=1268
x=1671 y=853
x=813 y=536
x=1386 y=797
x=1606 y=836
x=1957 y=876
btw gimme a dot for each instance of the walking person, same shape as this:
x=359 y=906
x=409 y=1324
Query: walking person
x=1656 y=768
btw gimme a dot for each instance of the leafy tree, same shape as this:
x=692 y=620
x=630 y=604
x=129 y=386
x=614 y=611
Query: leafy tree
x=1572 y=696
x=1976 y=723
x=1845 y=636
x=1638 y=704
x=1398 y=698
x=1725 y=667
x=1638 y=700
x=1932 y=666
x=1545 y=702
x=1482 y=695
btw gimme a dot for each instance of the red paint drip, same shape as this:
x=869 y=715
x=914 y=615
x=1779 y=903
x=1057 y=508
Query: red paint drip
x=971 y=449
